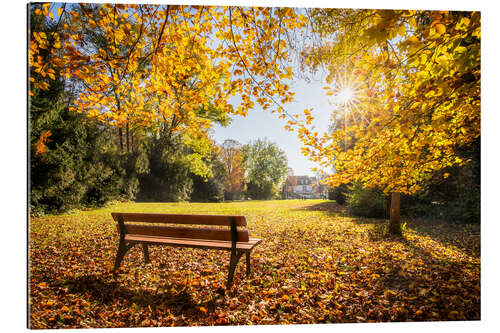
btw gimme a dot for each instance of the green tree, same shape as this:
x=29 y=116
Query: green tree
x=168 y=178
x=210 y=189
x=266 y=169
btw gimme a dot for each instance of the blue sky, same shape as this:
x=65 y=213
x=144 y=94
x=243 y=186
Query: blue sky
x=264 y=124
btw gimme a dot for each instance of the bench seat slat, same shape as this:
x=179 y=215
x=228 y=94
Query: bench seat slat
x=195 y=243
x=225 y=220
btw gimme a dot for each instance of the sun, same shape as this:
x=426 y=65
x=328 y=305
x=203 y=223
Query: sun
x=345 y=95
x=348 y=99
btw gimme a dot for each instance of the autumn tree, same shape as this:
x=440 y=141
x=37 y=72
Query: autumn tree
x=289 y=183
x=407 y=88
x=73 y=161
x=266 y=168
x=150 y=65
x=231 y=156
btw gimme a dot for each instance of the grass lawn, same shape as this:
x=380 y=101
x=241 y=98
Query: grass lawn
x=316 y=264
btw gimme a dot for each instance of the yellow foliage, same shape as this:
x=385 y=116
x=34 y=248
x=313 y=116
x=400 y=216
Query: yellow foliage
x=419 y=99
x=186 y=68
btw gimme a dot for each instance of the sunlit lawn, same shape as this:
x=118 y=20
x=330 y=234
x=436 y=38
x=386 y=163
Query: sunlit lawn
x=315 y=265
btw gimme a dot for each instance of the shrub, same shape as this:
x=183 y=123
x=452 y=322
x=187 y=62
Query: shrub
x=210 y=189
x=263 y=191
x=338 y=194
x=366 y=202
x=455 y=198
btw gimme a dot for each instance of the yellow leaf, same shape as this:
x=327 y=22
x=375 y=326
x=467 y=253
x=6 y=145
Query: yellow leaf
x=388 y=291
x=440 y=28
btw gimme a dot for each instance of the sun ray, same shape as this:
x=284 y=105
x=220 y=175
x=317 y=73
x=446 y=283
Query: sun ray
x=346 y=91
x=348 y=100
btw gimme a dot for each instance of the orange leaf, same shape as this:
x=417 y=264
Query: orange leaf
x=41 y=148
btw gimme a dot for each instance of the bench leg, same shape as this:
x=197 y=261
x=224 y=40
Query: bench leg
x=146 y=253
x=235 y=257
x=248 y=263
x=122 y=250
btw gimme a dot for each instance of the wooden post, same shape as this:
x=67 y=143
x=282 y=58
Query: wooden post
x=248 y=263
x=395 y=216
x=145 y=252
x=235 y=254
x=122 y=246
x=235 y=257
x=121 y=226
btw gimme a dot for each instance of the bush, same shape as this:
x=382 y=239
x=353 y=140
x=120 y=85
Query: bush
x=167 y=179
x=465 y=209
x=264 y=191
x=338 y=194
x=455 y=198
x=366 y=202
x=210 y=189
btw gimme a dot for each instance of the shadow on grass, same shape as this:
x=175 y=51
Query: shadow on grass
x=446 y=233
x=334 y=209
x=329 y=206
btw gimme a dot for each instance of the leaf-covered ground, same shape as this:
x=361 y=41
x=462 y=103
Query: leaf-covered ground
x=315 y=265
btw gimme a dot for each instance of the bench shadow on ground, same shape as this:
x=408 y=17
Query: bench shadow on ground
x=103 y=289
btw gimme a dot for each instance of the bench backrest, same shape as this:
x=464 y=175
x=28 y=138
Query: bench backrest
x=158 y=227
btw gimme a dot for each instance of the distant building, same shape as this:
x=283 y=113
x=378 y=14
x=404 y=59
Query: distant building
x=303 y=187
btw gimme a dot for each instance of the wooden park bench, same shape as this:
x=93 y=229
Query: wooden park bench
x=163 y=229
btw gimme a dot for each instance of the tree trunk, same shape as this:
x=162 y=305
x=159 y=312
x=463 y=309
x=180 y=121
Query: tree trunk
x=120 y=134
x=132 y=139
x=127 y=134
x=395 y=218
